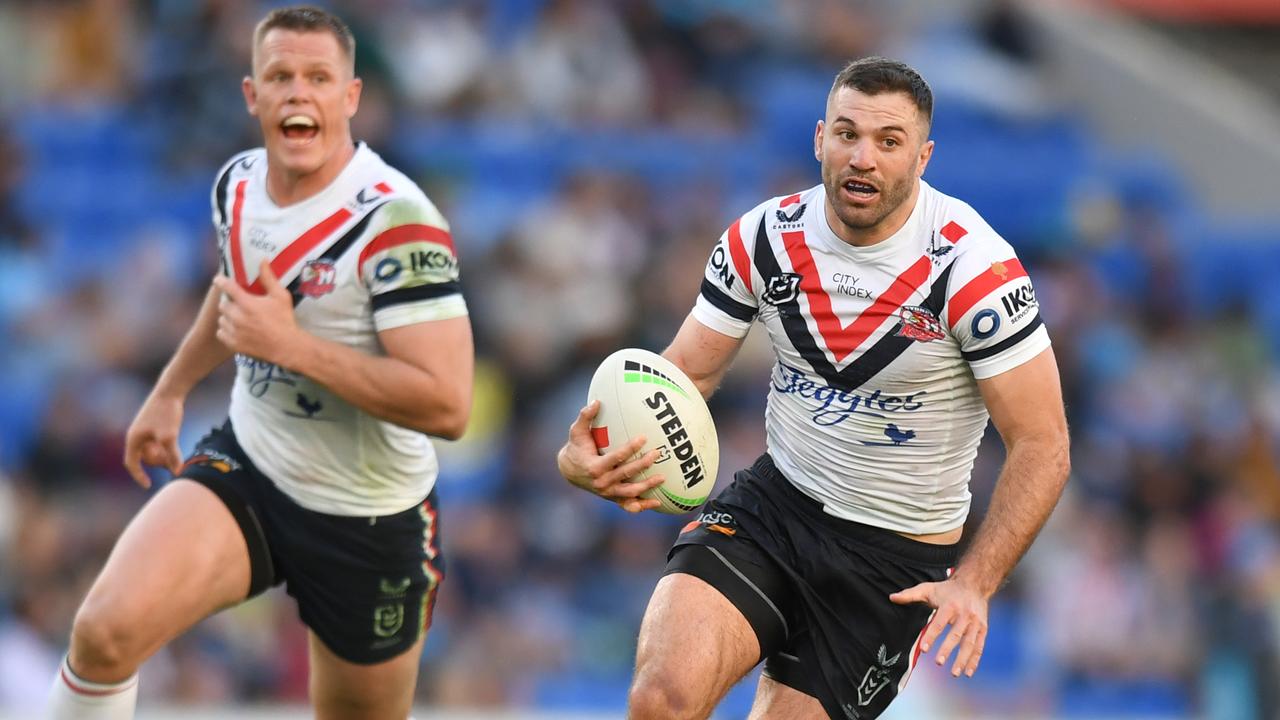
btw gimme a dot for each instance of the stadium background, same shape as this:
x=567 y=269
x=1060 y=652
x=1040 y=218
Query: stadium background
x=588 y=153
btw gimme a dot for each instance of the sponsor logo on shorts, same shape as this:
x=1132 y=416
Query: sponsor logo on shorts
x=221 y=462
x=876 y=678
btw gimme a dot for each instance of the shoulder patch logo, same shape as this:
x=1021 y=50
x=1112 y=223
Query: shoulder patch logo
x=794 y=216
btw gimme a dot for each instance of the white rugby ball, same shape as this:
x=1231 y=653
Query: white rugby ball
x=643 y=393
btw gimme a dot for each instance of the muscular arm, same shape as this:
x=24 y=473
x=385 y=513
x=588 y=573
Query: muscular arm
x=152 y=437
x=423 y=383
x=1026 y=407
x=703 y=354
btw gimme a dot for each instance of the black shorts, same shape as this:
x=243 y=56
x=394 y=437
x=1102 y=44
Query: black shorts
x=365 y=585
x=815 y=589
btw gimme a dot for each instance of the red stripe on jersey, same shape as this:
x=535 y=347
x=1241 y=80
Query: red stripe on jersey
x=382 y=187
x=305 y=243
x=738 y=252
x=843 y=340
x=973 y=291
x=237 y=258
x=402 y=234
x=953 y=232
x=790 y=201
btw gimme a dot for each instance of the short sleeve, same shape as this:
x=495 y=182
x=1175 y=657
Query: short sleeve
x=726 y=300
x=994 y=315
x=410 y=266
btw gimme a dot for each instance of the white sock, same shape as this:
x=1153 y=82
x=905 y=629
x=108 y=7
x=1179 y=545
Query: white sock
x=73 y=698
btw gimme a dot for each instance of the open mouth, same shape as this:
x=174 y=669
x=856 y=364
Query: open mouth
x=300 y=129
x=860 y=190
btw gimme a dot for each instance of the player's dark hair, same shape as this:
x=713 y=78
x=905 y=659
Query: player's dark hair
x=876 y=75
x=305 y=18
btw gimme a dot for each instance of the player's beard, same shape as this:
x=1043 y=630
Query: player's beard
x=889 y=198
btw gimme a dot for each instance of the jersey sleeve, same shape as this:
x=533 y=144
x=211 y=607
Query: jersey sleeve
x=726 y=301
x=410 y=266
x=992 y=310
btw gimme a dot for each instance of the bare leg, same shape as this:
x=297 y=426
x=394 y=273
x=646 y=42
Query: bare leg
x=775 y=701
x=342 y=690
x=694 y=645
x=181 y=559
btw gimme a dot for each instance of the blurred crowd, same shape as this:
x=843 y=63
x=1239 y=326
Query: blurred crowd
x=588 y=155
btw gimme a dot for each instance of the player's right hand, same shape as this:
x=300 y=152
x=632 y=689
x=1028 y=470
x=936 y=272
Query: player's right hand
x=152 y=438
x=608 y=476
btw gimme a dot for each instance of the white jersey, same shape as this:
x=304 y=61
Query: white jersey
x=873 y=407
x=368 y=253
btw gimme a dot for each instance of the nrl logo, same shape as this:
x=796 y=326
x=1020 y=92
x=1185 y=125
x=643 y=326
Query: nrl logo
x=783 y=288
x=877 y=677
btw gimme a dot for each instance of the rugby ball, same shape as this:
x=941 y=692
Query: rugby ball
x=643 y=393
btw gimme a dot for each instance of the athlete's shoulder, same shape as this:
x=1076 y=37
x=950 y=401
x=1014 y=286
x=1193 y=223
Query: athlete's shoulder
x=241 y=163
x=952 y=222
x=778 y=214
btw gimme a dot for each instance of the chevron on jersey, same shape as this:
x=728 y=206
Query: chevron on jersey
x=844 y=340
x=336 y=250
x=870 y=361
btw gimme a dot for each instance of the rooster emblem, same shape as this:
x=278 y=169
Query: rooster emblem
x=897 y=436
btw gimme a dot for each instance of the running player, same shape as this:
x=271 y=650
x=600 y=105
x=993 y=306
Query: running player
x=339 y=300
x=900 y=322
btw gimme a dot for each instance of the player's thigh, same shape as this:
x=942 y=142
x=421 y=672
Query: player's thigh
x=694 y=645
x=343 y=690
x=776 y=701
x=181 y=558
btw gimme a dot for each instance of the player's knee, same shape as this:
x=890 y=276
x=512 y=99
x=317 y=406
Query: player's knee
x=653 y=697
x=101 y=650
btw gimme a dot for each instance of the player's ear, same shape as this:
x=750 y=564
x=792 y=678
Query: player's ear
x=817 y=140
x=250 y=95
x=926 y=152
x=353 y=96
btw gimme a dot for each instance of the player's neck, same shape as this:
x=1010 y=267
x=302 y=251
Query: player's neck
x=881 y=231
x=286 y=188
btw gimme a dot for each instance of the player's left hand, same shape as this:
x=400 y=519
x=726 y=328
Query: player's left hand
x=960 y=606
x=259 y=326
